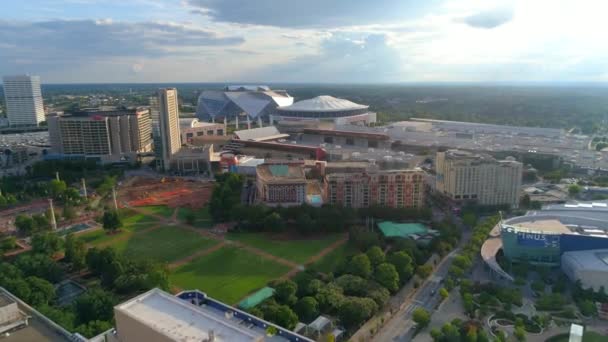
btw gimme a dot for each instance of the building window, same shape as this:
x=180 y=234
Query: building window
x=189 y=135
x=328 y=140
x=372 y=143
x=350 y=141
x=200 y=134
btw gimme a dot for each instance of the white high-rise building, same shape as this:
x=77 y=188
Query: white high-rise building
x=169 y=125
x=464 y=176
x=23 y=100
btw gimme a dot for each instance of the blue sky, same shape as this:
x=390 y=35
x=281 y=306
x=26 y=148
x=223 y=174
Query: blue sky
x=305 y=40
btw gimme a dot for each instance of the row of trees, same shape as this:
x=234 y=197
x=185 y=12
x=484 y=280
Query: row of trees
x=458 y=330
x=358 y=288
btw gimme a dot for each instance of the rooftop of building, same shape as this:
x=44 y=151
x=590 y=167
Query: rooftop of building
x=323 y=103
x=281 y=173
x=260 y=134
x=5 y=300
x=545 y=226
x=181 y=321
x=347 y=133
x=194 y=123
x=91 y=112
x=595 y=259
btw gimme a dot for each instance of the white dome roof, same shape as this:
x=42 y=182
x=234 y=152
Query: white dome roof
x=323 y=103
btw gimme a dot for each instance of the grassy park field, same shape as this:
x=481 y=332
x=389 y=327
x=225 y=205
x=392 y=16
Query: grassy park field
x=299 y=250
x=247 y=261
x=227 y=274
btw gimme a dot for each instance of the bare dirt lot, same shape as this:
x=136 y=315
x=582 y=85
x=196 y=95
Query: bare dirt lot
x=172 y=192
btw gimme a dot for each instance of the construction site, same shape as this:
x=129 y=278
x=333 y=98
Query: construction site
x=172 y=192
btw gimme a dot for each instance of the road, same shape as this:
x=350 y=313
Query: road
x=400 y=326
x=427 y=297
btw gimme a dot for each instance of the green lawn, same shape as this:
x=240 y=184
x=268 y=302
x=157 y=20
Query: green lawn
x=199 y=214
x=130 y=217
x=166 y=244
x=161 y=210
x=100 y=236
x=330 y=261
x=228 y=274
x=295 y=250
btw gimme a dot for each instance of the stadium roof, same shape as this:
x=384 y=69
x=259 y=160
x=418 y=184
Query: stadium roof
x=590 y=260
x=323 y=103
x=181 y=321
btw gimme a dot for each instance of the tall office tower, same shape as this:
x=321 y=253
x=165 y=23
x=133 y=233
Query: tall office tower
x=470 y=177
x=158 y=141
x=169 y=124
x=23 y=100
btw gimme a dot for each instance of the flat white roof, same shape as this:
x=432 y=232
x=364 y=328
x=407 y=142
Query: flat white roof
x=182 y=321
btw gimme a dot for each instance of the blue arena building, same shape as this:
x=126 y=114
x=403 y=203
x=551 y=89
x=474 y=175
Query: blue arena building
x=543 y=236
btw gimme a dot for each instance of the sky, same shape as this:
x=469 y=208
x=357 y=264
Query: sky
x=320 y=41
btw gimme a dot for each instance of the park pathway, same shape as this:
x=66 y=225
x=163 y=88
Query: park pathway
x=200 y=253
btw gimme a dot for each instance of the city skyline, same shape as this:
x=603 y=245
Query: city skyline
x=89 y=41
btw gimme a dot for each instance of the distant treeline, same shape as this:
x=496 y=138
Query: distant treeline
x=561 y=106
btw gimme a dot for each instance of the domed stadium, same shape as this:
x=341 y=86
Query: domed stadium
x=326 y=108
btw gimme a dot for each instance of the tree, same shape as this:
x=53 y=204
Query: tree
x=360 y=265
x=307 y=309
x=190 y=217
x=330 y=297
x=95 y=304
x=355 y=310
x=387 y=276
x=41 y=222
x=574 y=190
x=443 y=293
x=285 y=292
x=68 y=212
x=25 y=224
x=403 y=264
x=436 y=334
x=520 y=333
x=421 y=317
x=8 y=243
x=274 y=222
x=75 y=252
x=424 y=271
x=469 y=219
x=304 y=223
x=353 y=285
x=42 y=292
x=57 y=188
x=39 y=265
x=71 y=196
x=376 y=255
x=46 y=243
x=111 y=221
